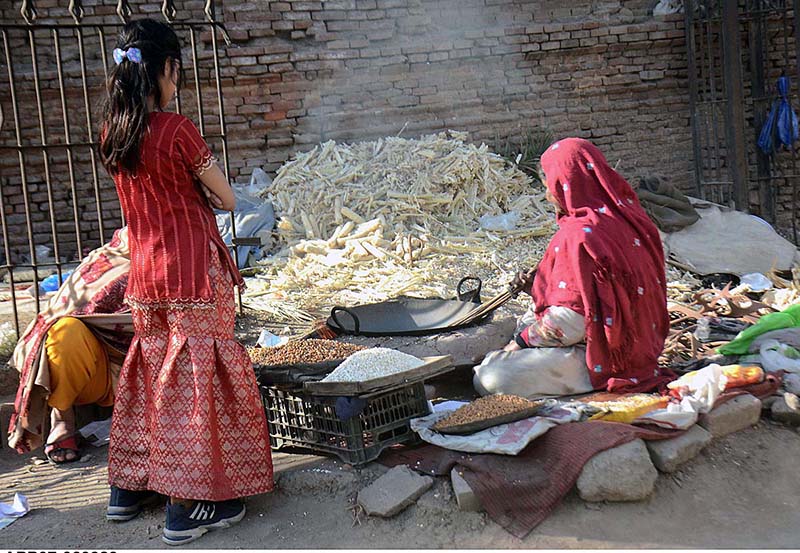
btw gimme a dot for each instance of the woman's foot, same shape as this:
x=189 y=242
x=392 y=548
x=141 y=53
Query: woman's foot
x=186 y=524
x=63 y=451
x=62 y=443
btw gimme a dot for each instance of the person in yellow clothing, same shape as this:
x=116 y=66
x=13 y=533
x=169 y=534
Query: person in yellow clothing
x=70 y=355
x=79 y=375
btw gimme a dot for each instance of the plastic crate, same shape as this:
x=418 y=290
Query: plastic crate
x=298 y=419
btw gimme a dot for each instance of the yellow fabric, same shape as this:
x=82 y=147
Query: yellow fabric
x=79 y=372
x=629 y=408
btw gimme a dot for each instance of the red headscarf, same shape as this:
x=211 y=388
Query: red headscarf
x=605 y=262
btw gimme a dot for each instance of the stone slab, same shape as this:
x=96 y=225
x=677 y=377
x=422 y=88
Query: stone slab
x=736 y=414
x=668 y=455
x=465 y=497
x=623 y=473
x=394 y=491
x=468 y=346
x=783 y=412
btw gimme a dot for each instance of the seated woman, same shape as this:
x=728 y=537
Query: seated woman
x=71 y=353
x=599 y=317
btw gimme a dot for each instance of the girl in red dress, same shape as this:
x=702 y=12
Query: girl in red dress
x=188 y=420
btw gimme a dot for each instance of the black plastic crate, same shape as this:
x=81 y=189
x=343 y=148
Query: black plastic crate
x=298 y=419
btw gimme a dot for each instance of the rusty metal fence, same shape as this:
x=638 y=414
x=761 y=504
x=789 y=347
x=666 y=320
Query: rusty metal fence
x=56 y=200
x=737 y=50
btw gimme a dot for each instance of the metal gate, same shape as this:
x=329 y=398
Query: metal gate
x=56 y=204
x=737 y=49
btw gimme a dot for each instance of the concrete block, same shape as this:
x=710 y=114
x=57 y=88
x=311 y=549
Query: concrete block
x=623 y=473
x=465 y=497
x=668 y=455
x=783 y=412
x=736 y=414
x=393 y=492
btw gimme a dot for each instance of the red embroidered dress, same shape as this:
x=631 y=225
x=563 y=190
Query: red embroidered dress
x=188 y=419
x=169 y=220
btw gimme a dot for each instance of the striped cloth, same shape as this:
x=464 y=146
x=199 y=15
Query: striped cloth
x=169 y=219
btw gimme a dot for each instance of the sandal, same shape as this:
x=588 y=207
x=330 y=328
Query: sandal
x=62 y=448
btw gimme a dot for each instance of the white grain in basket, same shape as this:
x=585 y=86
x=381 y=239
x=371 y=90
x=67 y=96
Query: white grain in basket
x=373 y=363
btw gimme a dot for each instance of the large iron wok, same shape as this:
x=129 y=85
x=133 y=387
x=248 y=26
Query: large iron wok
x=408 y=316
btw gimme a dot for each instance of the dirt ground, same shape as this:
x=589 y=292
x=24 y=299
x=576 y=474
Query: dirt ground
x=741 y=492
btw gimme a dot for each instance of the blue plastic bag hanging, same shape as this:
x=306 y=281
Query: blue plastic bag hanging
x=781 y=121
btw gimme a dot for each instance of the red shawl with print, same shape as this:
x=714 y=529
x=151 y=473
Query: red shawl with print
x=605 y=262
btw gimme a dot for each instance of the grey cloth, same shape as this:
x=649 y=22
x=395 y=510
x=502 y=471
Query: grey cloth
x=667 y=206
x=730 y=242
x=534 y=372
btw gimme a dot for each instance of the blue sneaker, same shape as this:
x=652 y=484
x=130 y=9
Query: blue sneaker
x=185 y=525
x=126 y=504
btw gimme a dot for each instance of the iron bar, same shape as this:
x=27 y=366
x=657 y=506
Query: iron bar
x=23 y=172
x=168 y=10
x=76 y=10
x=56 y=151
x=758 y=84
x=224 y=140
x=736 y=150
x=124 y=10
x=104 y=56
x=45 y=157
x=792 y=83
x=712 y=85
x=65 y=26
x=89 y=131
x=70 y=162
x=196 y=69
x=70 y=145
x=692 y=71
x=795 y=187
x=28 y=11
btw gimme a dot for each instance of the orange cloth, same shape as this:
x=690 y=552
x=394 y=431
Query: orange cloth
x=79 y=373
x=742 y=375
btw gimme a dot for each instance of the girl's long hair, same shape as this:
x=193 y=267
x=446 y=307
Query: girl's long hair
x=129 y=85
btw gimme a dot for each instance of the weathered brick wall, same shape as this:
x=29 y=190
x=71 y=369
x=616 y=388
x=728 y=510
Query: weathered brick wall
x=305 y=71
x=356 y=69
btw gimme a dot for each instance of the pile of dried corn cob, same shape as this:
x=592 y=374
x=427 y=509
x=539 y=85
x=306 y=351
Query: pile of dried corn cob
x=374 y=220
x=438 y=185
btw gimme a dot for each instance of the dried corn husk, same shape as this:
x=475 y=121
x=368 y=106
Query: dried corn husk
x=371 y=221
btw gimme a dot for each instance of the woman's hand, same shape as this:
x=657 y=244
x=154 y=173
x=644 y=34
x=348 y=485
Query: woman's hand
x=213 y=199
x=215 y=183
x=512 y=346
x=524 y=280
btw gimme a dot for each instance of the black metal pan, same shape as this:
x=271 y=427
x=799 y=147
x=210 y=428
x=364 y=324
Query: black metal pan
x=406 y=316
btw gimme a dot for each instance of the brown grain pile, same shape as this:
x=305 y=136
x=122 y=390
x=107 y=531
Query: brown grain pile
x=303 y=351
x=484 y=408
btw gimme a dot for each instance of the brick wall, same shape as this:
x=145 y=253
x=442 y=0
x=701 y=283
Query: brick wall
x=305 y=71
